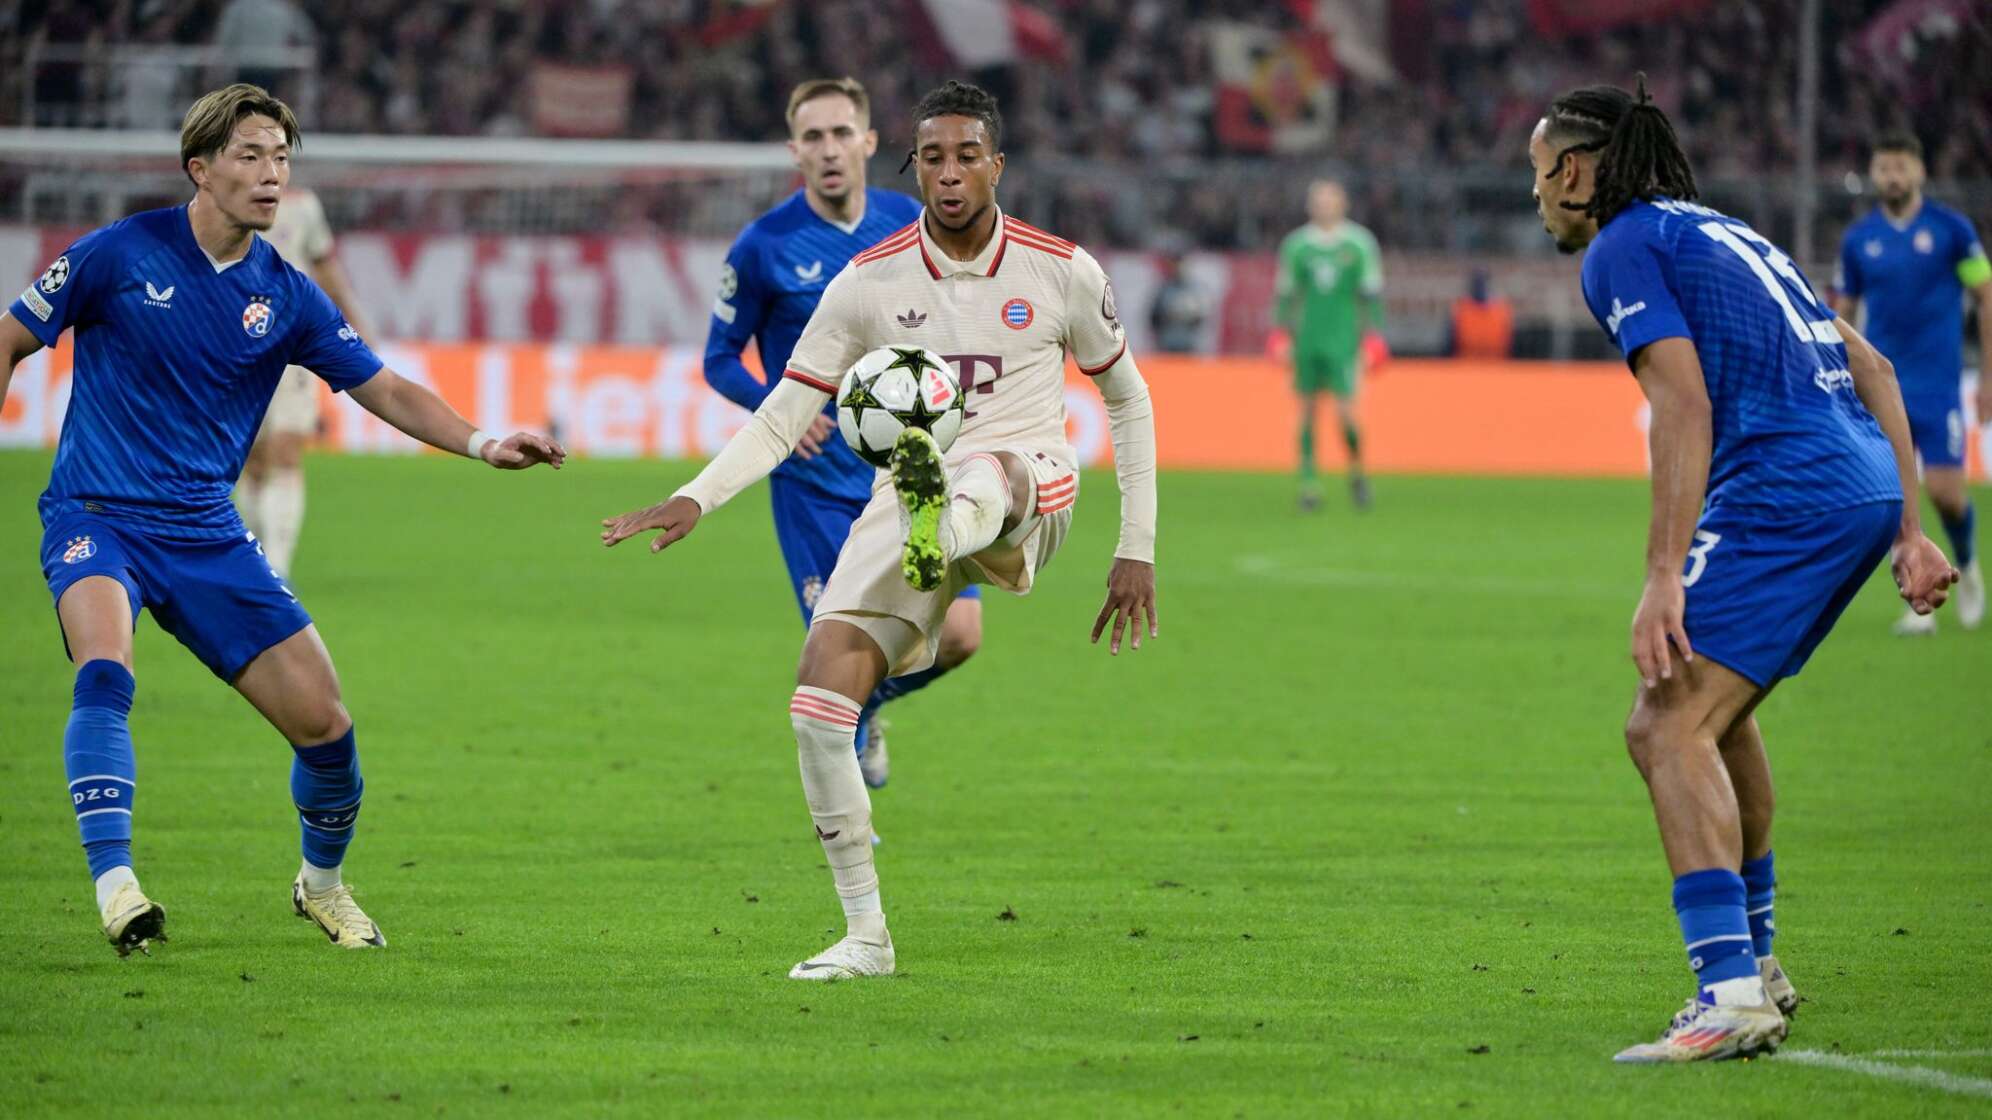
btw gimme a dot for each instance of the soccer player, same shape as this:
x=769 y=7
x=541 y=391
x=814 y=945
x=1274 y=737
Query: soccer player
x=185 y=321
x=270 y=495
x=1330 y=289
x=1008 y=301
x=775 y=273
x=1909 y=263
x=1781 y=460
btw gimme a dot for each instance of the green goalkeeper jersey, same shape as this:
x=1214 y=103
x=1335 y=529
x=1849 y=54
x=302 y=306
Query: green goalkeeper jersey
x=1329 y=285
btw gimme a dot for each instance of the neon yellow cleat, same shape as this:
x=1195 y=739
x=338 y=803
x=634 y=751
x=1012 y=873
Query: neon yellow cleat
x=922 y=484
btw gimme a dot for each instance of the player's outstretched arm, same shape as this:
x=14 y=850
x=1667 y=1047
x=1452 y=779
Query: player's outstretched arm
x=1682 y=438
x=16 y=343
x=758 y=448
x=1922 y=573
x=1130 y=604
x=425 y=416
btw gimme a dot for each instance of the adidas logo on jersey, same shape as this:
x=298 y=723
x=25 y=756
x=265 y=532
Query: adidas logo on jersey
x=911 y=319
x=156 y=298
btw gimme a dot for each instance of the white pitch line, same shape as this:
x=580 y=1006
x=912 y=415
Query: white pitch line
x=1978 y=1053
x=1910 y=1075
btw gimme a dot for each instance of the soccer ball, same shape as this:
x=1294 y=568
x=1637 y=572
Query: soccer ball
x=894 y=388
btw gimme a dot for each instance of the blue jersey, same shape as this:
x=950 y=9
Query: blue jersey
x=176 y=360
x=1907 y=277
x=1790 y=433
x=775 y=274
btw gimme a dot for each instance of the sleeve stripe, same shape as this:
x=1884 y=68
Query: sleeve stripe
x=1103 y=367
x=814 y=383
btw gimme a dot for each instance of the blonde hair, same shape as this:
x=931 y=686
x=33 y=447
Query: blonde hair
x=829 y=87
x=209 y=124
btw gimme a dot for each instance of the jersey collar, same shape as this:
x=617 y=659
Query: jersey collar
x=941 y=266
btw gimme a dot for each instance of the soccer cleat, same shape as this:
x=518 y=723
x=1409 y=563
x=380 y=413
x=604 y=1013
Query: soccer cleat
x=133 y=921
x=1913 y=625
x=338 y=915
x=1359 y=491
x=846 y=960
x=1971 y=596
x=874 y=763
x=922 y=484
x=1310 y=500
x=1779 y=986
x=1704 y=1032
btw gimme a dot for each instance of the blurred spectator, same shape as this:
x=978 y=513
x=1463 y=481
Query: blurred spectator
x=254 y=38
x=1483 y=324
x=1179 y=311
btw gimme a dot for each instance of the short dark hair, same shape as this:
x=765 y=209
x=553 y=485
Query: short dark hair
x=1638 y=154
x=1898 y=140
x=960 y=99
x=211 y=121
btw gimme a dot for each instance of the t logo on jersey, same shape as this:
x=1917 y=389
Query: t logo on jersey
x=256 y=317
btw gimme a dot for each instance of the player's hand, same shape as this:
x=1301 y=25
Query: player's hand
x=1922 y=572
x=520 y=450
x=1130 y=600
x=675 y=516
x=1659 y=620
x=811 y=443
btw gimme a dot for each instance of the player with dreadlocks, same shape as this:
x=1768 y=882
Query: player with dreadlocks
x=1781 y=463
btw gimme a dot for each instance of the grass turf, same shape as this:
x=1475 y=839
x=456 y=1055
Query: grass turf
x=1356 y=836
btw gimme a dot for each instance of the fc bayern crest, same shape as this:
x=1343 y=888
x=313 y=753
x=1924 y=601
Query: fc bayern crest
x=256 y=317
x=1017 y=314
x=79 y=550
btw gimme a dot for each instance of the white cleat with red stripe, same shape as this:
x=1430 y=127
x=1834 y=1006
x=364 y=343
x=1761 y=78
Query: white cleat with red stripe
x=1704 y=1032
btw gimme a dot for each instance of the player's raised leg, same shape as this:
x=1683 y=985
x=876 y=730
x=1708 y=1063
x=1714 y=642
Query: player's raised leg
x=96 y=614
x=1673 y=736
x=296 y=688
x=839 y=663
x=951 y=517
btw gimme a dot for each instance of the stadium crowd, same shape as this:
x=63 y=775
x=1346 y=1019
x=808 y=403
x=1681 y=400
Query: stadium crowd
x=1120 y=130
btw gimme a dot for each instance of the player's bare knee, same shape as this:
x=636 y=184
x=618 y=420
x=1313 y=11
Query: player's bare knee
x=959 y=642
x=1023 y=489
x=1646 y=735
x=321 y=720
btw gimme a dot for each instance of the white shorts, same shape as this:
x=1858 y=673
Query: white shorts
x=294 y=408
x=868 y=589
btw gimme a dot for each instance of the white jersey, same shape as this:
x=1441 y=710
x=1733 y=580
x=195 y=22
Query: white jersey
x=1005 y=321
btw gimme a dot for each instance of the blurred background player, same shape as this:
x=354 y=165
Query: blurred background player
x=1330 y=292
x=271 y=493
x=1908 y=265
x=1781 y=460
x=774 y=276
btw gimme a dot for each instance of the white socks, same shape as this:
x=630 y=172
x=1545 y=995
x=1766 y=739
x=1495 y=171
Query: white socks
x=1744 y=991
x=282 y=515
x=978 y=499
x=318 y=880
x=108 y=884
x=826 y=725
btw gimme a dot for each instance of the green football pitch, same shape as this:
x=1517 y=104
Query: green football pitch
x=1356 y=836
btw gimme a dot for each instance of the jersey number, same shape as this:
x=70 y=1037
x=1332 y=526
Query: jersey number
x=1705 y=543
x=1787 y=287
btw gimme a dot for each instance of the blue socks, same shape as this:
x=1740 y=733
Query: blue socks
x=1963 y=534
x=1711 y=907
x=1760 y=881
x=893 y=688
x=96 y=751
x=326 y=786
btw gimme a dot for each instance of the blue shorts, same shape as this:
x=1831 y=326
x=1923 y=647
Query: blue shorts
x=1937 y=429
x=1764 y=590
x=811 y=527
x=220 y=598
